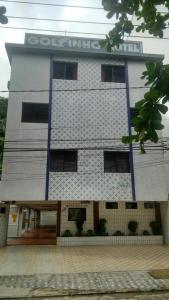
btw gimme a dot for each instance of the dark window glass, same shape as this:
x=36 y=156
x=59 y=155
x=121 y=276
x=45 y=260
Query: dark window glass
x=131 y=205
x=149 y=205
x=77 y=214
x=34 y=112
x=65 y=71
x=63 y=161
x=111 y=205
x=2 y=210
x=116 y=162
x=133 y=113
x=113 y=73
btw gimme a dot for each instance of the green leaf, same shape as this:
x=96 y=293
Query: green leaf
x=162 y=108
x=157 y=125
x=153 y=135
x=128 y=139
x=139 y=104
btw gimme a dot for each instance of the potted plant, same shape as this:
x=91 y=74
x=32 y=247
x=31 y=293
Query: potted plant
x=156 y=227
x=79 y=223
x=132 y=226
x=101 y=228
x=67 y=233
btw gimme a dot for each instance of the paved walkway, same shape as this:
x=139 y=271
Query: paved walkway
x=53 y=271
x=25 y=260
x=80 y=283
x=40 y=236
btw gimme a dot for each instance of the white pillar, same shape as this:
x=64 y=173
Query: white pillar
x=4 y=217
x=164 y=207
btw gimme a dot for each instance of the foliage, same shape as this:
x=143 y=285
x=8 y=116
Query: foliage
x=152 y=106
x=146 y=232
x=79 y=223
x=118 y=233
x=67 y=233
x=156 y=227
x=101 y=228
x=3 y=112
x=90 y=232
x=132 y=226
x=3 y=18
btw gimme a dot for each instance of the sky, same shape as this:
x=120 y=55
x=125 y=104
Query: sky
x=25 y=10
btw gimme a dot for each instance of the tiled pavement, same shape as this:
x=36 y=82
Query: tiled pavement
x=18 y=260
x=51 y=270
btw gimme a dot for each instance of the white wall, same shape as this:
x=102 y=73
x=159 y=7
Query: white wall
x=65 y=224
x=149 y=170
x=118 y=219
x=24 y=173
x=90 y=119
x=13 y=221
x=48 y=218
x=4 y=225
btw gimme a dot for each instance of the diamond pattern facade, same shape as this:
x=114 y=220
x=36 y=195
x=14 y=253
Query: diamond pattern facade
x=85 y=120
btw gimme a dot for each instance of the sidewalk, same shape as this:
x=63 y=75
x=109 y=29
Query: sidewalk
x=79 y=284
x=35 y=271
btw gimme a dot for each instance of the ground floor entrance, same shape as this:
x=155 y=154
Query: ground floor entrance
x=32 y=224
x=39 y=236
x=74 y=223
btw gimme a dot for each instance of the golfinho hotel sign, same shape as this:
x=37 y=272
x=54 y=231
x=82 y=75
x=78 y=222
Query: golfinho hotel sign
x=76 y=43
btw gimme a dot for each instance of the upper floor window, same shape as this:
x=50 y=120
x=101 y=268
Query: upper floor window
x=63 y=161
x=75 y=214
x=116 y=162
x=149 y=205
x=34 y=112
x=63 y=70
x=131 y=205
x=113 y=73
x=133 y=113
x=111 y=205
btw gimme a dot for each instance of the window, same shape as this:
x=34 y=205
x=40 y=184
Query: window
x=111 y=205
x=116 y=162
x=34 y=112
x=148 y=205
x=131 y=205
x=113 y=73
x=62 y=70
x=76 y=214
x=133 y=113
x=63 y=161
x=2 y=210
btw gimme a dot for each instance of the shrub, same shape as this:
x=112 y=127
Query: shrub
x=90 y=233
x=101 y=228
x=156 y=227
x=118 y=233
x=67 y=233
x=79 y=223
x=132 y=226
x=146 y=232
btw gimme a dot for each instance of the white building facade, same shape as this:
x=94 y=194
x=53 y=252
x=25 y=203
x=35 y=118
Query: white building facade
x=70 y=103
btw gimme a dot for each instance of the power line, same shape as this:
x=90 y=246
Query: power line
x=51 y=30
x=52 y=4
x=66 y=21
x=11 y=150
x=75 y=90
x=60 y=5
x=61 y=20
x=83 y=33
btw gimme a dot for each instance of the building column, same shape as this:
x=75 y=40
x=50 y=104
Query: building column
x=20 y=220
x=4 y=218
x=164 y=206
x=58 y=228
x=95 y=215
